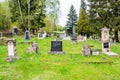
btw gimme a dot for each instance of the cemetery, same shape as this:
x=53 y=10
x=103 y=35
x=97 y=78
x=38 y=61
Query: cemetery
x=33 y=46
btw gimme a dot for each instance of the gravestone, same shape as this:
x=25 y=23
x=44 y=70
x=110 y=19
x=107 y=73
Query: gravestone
x=105 y=40
x=27 y=35
x=74 y=37
x=95 y=52
x=15 y=31
x=56 y=47
x=86 y=50
x=45 y=34
x=58 y=38
x=40 y=36
x=11 y=43
x=79 y=38
x=33 y=48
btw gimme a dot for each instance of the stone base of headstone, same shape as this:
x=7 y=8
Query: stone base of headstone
x=56 y=52
x=111 y=54
x=95 y=52
x=11 y=58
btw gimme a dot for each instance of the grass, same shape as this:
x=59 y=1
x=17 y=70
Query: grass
x=70 y=66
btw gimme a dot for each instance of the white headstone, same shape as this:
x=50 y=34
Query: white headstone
x=11 y=44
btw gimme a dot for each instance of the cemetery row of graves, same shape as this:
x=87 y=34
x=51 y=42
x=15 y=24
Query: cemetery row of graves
x=51 y=57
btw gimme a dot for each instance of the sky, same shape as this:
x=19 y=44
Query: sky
x=65 y=7
x=64 y=10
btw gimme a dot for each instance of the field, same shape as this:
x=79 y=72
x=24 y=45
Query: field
x=69 y=66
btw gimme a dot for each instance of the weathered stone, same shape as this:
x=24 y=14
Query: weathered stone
x=33 y=48
x=86 y=50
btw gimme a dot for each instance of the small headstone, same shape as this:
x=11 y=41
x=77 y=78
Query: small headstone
x=56 y=47
x=11 y=50
x=58 y=38
x=45 y=34
x=40 y=36
x=27 y=35
x=80 y=38
x=95 y=52
x=15 y=31
x=33 y=48
x=86 y=50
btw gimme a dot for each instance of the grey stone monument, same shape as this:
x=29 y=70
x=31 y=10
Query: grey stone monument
x=33 y=48
x=105 y=40
x=11 y=44
x=74 y=37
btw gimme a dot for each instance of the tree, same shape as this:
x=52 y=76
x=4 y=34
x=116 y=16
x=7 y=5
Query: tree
x=83 y=23
x=53 y=9
x=105 y=13
x=4 y=16
x=72 y=20
x=29 y=14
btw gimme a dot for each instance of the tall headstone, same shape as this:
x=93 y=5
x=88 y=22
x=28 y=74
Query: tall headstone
x=105 y=40
x=27 y=35
x=74 y=37
x=15 y=31
x=11 y=44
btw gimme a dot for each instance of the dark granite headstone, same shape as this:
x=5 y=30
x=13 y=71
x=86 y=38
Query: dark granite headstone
x=56 y=47
x=40 y=35
x=27 y=35
x=15 y=31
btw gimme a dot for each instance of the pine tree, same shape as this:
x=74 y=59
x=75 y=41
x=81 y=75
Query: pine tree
x=105 y=13
x=83 y=23
x=72 y=20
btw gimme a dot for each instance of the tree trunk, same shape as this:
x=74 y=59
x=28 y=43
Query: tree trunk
x=116 y=35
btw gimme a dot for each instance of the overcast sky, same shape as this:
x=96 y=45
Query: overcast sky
x=65 y=6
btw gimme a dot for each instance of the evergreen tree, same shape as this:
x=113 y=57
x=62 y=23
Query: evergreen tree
x=72 y=20
x=105 y=13
x=83 y=23
x=29 y=14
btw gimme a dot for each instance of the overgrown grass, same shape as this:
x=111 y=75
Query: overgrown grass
x=69 y=66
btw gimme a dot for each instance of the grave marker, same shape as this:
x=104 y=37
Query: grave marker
x=11 y=44
x=56 y=47
x=27 y=35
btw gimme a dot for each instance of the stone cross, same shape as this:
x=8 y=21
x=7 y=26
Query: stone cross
x=11 y=44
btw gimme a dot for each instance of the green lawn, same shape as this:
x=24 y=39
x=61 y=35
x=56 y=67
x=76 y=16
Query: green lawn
x=69 y=66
